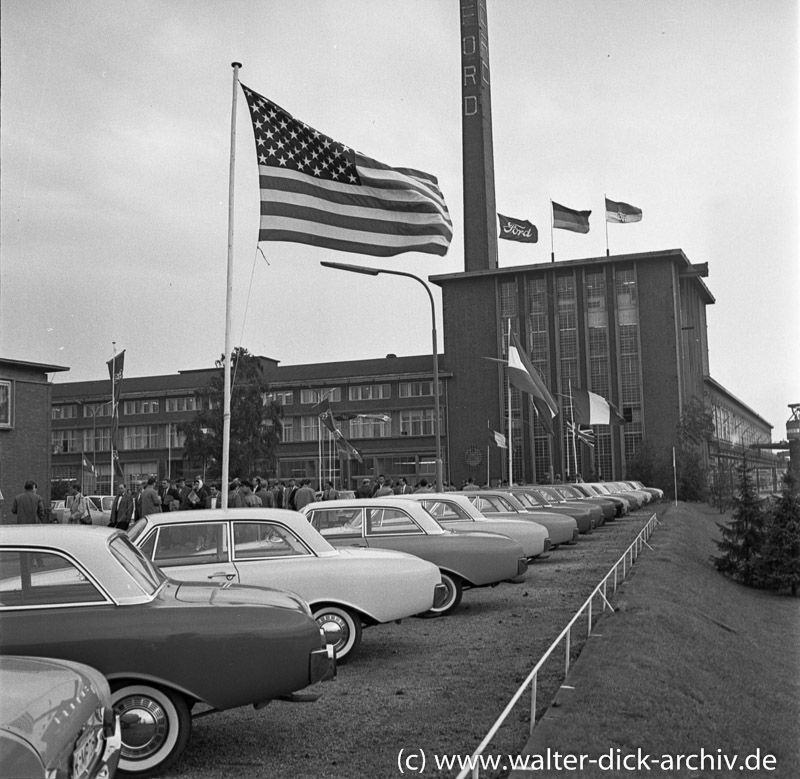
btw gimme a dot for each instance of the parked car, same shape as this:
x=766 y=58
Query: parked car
x=534 y=497
x=86 y=594
x=657 y=494
x=58 y=511
x=602 y=488
x=456 y=512
x=56 y=719
x=100 y=508
x=464 y=559
x=621 y=506
x=347 y=589
x=562 y=529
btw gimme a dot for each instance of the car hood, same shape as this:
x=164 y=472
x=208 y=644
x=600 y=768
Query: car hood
x=36 y=692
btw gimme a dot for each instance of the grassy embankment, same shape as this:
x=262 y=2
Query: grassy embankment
x=691 y=660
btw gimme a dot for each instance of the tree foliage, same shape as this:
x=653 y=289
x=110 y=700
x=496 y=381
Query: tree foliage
x=743 y=537
x=255 y=423
x=781 y=550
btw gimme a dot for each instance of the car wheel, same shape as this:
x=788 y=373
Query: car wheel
x=348 y=626
x=155 y=725
x=455 y=589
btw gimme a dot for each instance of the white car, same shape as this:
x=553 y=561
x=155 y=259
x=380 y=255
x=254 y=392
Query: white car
x=347 y=589
x=456 y=512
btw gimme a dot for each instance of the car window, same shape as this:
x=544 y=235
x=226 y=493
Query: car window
x=39 y=578
x=444 y=510
x=197 y=543
x=338 y=522
x=257 y=540
x=528 y=500
x=390 y=521
x=140 y=569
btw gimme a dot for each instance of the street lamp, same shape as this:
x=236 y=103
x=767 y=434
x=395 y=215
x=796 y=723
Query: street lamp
x=436 y=422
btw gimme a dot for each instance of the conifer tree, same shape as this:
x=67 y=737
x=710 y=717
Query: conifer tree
x=743 y=537
x=781 y=562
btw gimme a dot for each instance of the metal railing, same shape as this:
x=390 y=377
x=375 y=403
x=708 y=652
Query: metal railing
x=625 y=562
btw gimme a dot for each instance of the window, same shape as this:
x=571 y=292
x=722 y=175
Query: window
x=338 y=523
x=371 y=426
x=417 y=422
x=92 y=410
x=64 y=441
x=97 y=439
x=37 y=578
x=287 y=430
x=141 y=407
x=285 y=398
x=191 y=544
x=309 y=428
x=6 y=418
x=334 y=395
x=259 y=540
x=417 y=389
x=443 y=510
x=370 y=392
x=184 y=404
x=390 y=522
x=140 y=437
x=69 y=411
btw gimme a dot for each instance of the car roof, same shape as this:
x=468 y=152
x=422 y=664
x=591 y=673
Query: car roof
x=88 y=545
x=417 y=511
x=292 y=519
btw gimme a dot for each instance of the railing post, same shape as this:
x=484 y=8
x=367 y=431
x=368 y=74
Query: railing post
x=533 y=703
x=589 y=630
x=568 y=642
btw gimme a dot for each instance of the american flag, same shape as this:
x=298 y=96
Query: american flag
x=317 y=191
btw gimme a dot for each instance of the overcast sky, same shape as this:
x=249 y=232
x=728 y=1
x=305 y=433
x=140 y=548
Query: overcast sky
x=116 y=121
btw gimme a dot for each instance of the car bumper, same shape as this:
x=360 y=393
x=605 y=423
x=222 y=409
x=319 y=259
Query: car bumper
x=107 y=765
x=522 y=566
x=439 y=595
x=322 y=664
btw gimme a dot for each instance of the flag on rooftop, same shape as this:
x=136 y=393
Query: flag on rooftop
x=517 y=230
x=499 y=439
x=592 y=409
x=568 y=219
x=622 y=212
x=523 y=375
x=317 y=191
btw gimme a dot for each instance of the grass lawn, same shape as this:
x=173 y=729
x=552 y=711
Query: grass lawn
x=691 y=661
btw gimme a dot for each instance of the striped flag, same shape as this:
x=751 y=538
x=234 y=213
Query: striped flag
x=567 y=219
x=622 y=212
x=499 y=439
x=592 y=409
x=523 y=375
x=87 y=466
x=317 y=191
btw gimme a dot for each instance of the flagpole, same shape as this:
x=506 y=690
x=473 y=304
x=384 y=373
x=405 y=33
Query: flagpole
x=226 y=400
x=572 y=419
x=510 y=421
x=552 y=247
x=113 y=395
x=605 y=201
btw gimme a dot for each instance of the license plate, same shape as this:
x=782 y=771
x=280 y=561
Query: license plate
x=84 y=753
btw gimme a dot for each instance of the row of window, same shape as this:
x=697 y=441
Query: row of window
x=131 y=437
x=129 y=408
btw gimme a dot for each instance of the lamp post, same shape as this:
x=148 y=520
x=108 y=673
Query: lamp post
x=436 y=422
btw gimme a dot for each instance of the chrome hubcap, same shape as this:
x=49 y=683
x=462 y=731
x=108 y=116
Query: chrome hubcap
x=144 y=726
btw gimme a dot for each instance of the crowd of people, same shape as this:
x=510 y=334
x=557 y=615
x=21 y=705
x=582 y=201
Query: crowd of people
x=152 y=496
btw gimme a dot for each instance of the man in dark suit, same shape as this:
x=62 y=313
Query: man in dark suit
x=121 y=508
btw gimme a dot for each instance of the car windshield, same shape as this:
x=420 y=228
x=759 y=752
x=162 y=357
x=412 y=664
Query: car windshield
x=141 y=570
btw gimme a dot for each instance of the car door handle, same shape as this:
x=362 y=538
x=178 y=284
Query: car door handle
x=222 y=574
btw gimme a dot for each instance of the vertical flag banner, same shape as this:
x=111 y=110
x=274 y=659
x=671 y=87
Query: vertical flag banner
x=567 y=219
x=517 y=230
x=592 y=409
x=622 y=212
x=317 y=191
x=523 y=375
x=115 y=365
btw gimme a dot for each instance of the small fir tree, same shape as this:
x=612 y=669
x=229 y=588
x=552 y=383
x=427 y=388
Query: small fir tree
x=781 y=559
x=743 y=537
